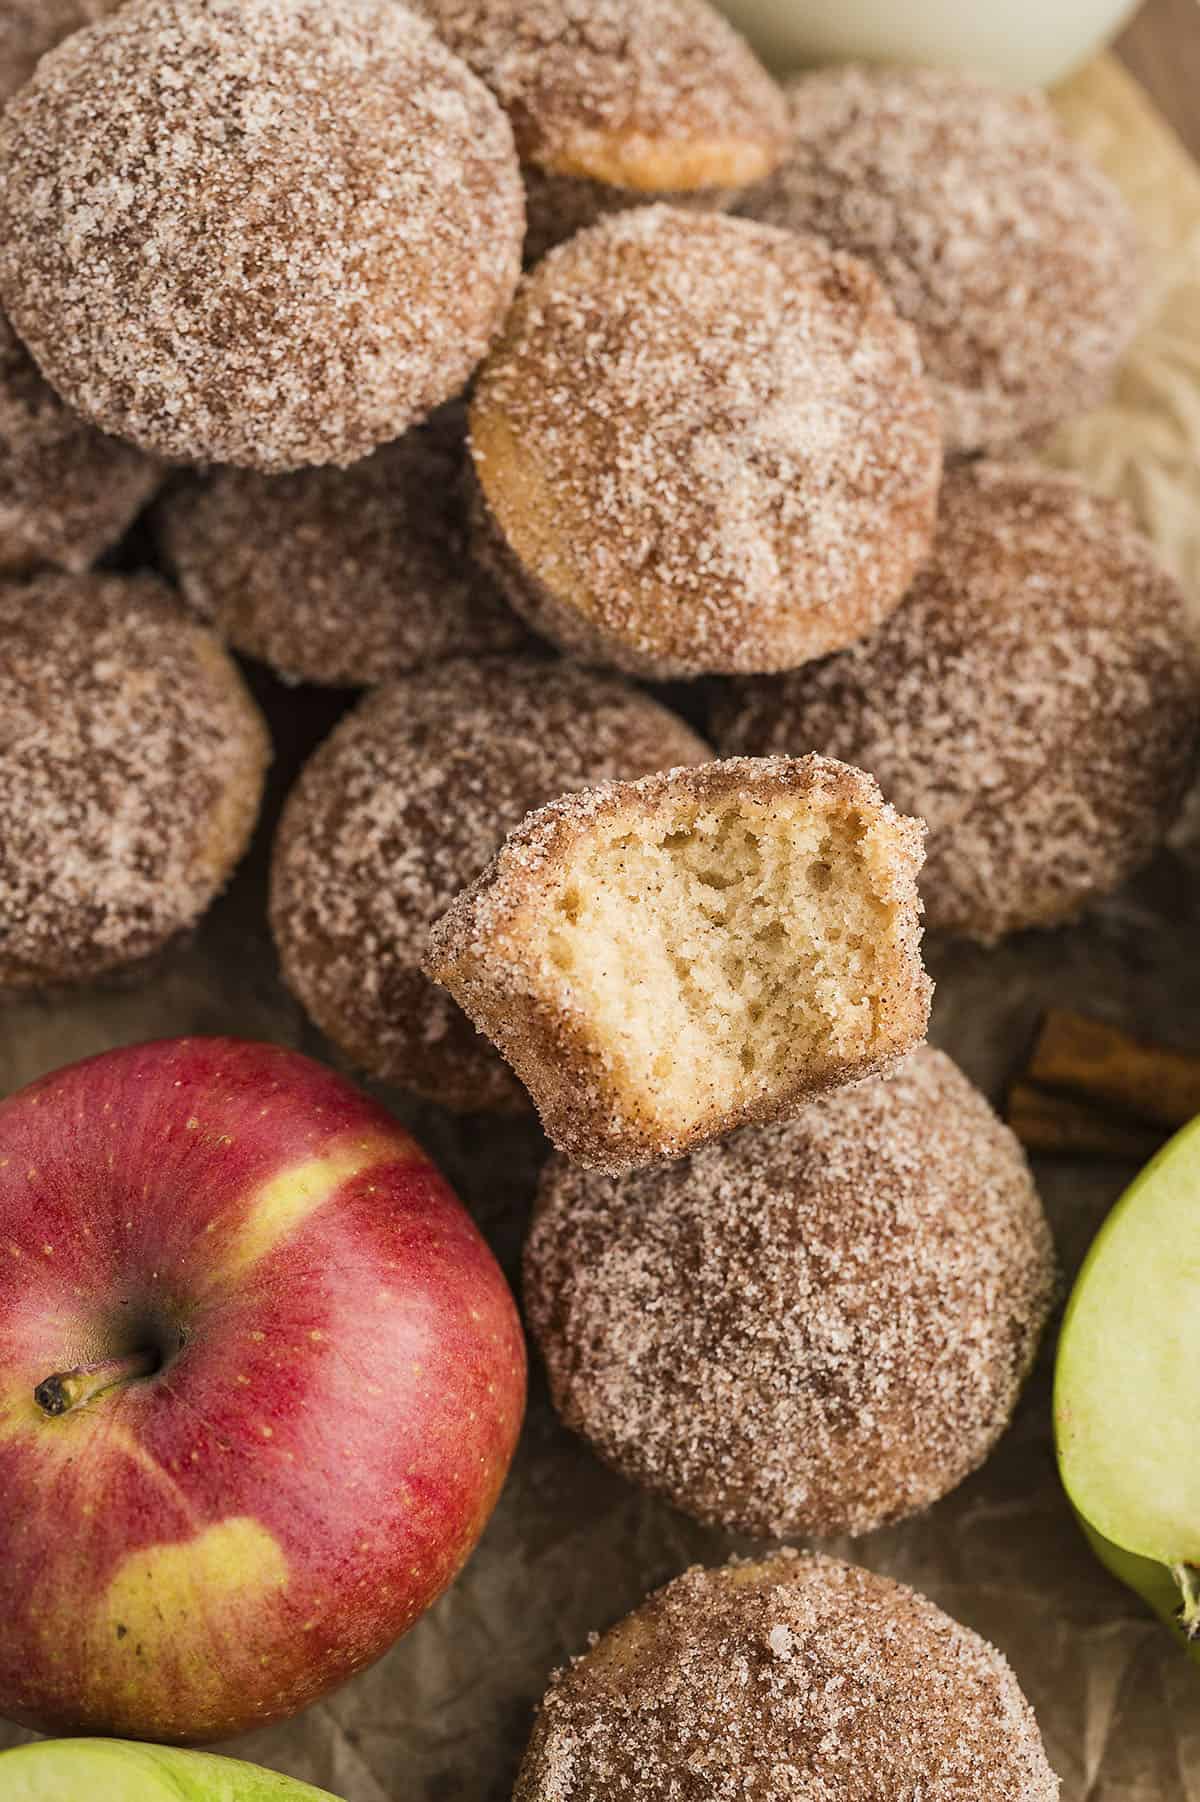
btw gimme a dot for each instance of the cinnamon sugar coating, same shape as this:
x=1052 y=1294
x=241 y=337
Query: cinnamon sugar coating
x=399 y=809
x=262 y=232
x=131 y=771
x=67 y=493
x=28 y=28
x=1016 y=260
x=815 y=1327
x=614 y=102
x=709 y=445
x=662 y=961
x=348 y=577
x=1036 y=700
x=795 y=1678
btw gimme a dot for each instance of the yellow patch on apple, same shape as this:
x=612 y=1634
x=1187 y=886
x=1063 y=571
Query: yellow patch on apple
x=234 y=1569
x=284 y=1203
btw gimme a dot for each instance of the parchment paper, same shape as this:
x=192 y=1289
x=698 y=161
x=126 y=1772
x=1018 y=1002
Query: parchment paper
x=445 y=1714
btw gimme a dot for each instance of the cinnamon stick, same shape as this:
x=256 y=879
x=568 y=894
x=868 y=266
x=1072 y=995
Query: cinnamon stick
x=1059 y=1126
x=1101 y=1064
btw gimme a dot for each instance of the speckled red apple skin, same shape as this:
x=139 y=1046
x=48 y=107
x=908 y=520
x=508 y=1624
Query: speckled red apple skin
x=216 y=1545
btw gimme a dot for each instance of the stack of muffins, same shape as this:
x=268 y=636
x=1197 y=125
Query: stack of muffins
x=759 y=420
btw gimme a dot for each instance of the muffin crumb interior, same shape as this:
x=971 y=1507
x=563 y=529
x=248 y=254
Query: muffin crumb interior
x=715 y=949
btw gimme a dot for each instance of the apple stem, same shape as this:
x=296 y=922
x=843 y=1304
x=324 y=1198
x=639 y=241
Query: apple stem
x=71 y=1389
x=1188 y=1579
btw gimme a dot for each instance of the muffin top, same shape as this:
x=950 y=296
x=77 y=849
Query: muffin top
x=711 y=440
x=340 y=576
x=67 y=492
x=796 y=1677
x=816 y=1326
x=645 y=94
x=1016 y=260
x=131 y=765
x=268 y=232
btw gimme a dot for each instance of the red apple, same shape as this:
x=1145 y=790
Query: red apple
x=260 y=1383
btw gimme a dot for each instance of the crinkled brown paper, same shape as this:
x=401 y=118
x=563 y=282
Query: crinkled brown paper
x=571 y=1548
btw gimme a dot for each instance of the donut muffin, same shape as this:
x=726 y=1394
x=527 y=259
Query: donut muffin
x=264 y=232
x=664 y=960
x=28 y=28
x=340 y=576
x=1036 y=701
x=615 y=102
x=131 y=771
x=399 y=809
x=706 y=446
x=67 y=493
x=1014 y=258
x=815 y=1327
x=794 y=1678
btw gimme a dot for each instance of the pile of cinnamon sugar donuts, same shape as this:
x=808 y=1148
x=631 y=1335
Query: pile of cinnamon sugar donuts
x=499 y=358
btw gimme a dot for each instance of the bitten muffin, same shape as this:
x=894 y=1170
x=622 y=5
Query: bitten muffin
x=793 y=1678
x=662 y=961
x=347 y=577
x=1036 y=700
x=399 y=809
x=67 y=493
x=704 y=445
x=1016 y=260
x=815 y=1327
x=262 y=232
x=615 y=102
x=131 y=771
x=28 y=28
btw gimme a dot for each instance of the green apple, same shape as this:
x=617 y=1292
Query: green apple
x=1127 y=1383
x=116 y=1770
